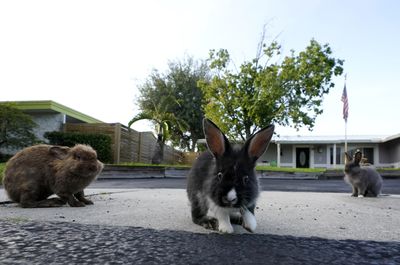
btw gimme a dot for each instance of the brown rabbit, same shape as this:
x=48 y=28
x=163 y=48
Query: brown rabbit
x=36 y=172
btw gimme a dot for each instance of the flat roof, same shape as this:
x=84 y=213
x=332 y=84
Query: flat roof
x=391 y=137
x=49 y=105
x=328 y=139
x=297 y=139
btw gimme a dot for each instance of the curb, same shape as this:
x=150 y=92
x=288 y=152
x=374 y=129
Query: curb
x=128 y=172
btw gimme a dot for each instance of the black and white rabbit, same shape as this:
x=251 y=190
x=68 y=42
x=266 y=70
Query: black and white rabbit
x=222 y=184
x=365 y=180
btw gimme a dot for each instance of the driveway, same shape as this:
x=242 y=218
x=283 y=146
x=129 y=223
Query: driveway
x=153 y=226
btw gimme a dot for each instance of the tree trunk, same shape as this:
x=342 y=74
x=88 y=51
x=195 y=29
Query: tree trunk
x=158 y=154
x=193 y=145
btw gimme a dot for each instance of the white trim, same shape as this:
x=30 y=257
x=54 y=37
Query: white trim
x=331 y=139
x=334 y=156
x=328 y=157
x=376 y=155
x=311 y=163
x=287 y=165
x=389 y=138
x=294 y=156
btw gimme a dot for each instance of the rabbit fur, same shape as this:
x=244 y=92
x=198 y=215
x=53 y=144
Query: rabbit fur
x=365 y=180
x=36 y=172
x=222 y=185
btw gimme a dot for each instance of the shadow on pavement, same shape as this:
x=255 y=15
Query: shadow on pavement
x=70 y=243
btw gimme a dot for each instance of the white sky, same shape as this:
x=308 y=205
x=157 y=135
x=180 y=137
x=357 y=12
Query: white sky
x=91 y=55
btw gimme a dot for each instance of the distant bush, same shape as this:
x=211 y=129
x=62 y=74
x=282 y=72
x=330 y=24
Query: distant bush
x=100 y=142
x=2 y=167
x=16 y=127
x=4 y=157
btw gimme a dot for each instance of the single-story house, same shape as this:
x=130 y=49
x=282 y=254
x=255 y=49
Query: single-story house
x=50 y=115
x=284 y=151
x=328 y=151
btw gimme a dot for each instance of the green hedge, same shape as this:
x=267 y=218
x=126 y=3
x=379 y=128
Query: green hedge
x=2 y=167
x=100 y=142
x=4 y=158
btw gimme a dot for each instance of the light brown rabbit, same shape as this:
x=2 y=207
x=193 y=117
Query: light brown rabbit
x=36 y=172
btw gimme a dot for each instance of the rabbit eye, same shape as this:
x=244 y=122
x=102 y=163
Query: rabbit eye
x=245 y=179
x=219 y=176
x=77 y=157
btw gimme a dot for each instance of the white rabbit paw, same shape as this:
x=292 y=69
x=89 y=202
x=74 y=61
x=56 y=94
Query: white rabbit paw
x=225 y=228
x=249 y=221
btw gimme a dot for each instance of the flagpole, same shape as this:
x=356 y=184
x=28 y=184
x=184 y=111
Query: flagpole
x=345 y=136
x=345 y=125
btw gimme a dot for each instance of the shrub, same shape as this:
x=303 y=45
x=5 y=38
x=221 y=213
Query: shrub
x=2 y=167
x=100 y=142
x=16 y=127
x=4 y=157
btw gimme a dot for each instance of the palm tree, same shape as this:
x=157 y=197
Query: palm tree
x=162 y=120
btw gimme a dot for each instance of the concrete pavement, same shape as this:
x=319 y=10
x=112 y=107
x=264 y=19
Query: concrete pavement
x=300 y=214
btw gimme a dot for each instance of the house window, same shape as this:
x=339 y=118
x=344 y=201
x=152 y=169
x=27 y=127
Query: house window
x=337 y=155
x=367 y=152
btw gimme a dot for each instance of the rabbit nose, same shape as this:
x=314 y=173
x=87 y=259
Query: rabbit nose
x=92 y=167
x=231 y=197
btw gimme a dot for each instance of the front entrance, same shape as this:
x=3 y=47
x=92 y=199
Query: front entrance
x=302 y=157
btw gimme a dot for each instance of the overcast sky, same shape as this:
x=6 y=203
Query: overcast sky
x=91 y=55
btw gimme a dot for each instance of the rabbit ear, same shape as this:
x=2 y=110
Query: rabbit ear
x=258 y=143
x=348 y=157
x=357 y=157
x=59 y=152
x=216 y=141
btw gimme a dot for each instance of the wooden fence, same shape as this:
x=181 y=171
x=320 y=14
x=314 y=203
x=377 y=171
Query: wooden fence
x=127 y=144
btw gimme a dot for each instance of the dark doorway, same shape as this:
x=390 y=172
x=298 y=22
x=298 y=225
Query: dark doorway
x=302 y=157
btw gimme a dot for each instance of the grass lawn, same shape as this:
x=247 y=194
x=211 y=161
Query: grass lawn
x=2 y=166
x=263 y=168
x=288 y=169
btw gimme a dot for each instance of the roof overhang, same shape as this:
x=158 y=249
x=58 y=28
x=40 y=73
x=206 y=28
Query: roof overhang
x=363 y=139
x=322 y=140
x=49 y=106
x=392 y=137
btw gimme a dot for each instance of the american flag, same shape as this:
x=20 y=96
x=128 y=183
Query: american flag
x=345 y=101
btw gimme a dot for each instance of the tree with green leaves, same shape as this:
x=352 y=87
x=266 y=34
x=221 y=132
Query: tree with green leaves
x=16 y=128
x=183 y=77
x=173 y=101
x=157 y=112
x=268 y=89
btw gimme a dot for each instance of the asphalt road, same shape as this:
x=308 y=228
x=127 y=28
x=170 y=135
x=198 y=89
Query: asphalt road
x=68 y=243
x=390 y=186
x=295 y=223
